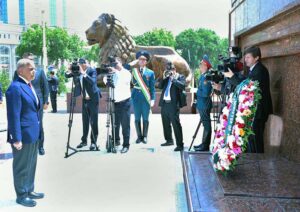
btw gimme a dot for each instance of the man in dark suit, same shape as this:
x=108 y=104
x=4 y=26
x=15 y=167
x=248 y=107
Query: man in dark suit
x=257 y=72
x=23 y=132
x=170 y=102
x=90 y=103
x=53 y=88
x=40 y=85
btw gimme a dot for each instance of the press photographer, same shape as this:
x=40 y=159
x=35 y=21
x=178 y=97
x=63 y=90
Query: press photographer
x=257 y=71
x=119 y=78
x=220 y=77
x=171 y=100
x=85 y=80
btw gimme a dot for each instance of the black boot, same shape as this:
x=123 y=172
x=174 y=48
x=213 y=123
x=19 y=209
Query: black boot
x=138 y=131
x=205 y=142
x=145 y=131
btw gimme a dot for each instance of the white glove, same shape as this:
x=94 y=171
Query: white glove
x=152 y=103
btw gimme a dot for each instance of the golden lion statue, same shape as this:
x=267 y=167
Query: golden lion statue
x=114 y=40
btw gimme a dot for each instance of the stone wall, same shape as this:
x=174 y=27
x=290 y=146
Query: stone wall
x=279 y=40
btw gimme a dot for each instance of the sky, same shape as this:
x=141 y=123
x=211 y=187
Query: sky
x=140 y=15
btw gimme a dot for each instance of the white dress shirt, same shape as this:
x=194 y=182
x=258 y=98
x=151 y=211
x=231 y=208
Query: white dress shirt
x=167 y=95
x=122 y=81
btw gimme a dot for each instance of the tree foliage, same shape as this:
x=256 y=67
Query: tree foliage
x=194 y=43
x=156 y=37
x=60 y=45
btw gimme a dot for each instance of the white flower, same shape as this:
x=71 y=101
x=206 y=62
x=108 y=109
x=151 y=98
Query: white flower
x=242 y=98
x=240 y=120
x=230 y=140
x=239 y=141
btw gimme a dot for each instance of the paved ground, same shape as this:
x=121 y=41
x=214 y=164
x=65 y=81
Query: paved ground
x=148 y=178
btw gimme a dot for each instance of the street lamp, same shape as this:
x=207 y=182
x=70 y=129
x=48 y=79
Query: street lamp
x=45 y=59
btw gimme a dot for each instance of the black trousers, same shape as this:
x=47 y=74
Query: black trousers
x=206 y=121
x=90 y=111
x=122 y=118
x=53 y=98
x=256 y=142
x=24 y=166
x=170 y=115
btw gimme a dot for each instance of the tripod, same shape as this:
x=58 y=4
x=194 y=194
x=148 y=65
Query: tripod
x=216 y=115
x=70 y=123
x=110 y=120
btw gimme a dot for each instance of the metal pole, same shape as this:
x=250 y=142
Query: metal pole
x=45 y=59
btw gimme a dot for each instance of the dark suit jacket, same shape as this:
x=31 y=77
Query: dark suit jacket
x=22 y=113
x=89 y=84
x=40 y=85
x=178 y=85
x=261 y=74
x=53 y=84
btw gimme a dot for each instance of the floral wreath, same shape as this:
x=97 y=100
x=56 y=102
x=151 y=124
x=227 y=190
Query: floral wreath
x=235 y=126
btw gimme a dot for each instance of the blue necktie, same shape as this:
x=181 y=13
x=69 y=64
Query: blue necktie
x=168 y=88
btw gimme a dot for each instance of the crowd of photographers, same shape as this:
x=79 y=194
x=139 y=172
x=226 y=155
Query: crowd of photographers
x=133 y=83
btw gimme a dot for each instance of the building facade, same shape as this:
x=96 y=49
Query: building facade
x=13 y=23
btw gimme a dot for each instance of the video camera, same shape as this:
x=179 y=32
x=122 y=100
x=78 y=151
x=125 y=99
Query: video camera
x=232 y=62
x=75 y=69
x=104 y=69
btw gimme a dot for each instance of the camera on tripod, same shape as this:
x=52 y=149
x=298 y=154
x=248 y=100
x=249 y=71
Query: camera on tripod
x=233 y=63
x=75 y=69
x=105 y=69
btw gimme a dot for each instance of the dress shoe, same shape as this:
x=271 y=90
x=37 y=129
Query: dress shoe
x=178 y=148
x=82 y=144
x=34 y=195
x=145 y=140
x=124 y=150
x=93 y=146
x=27 y=202
x=41 y=151
x=168 y=143
x=139 y=140
x=201 y=148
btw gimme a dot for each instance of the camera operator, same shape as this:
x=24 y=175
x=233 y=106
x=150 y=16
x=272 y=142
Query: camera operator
x=204 y=104
x=85 y=80
x=120 y=78
x=172 y=85
x=257 y=71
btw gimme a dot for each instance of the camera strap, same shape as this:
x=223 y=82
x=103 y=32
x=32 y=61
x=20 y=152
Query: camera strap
x=138 y=77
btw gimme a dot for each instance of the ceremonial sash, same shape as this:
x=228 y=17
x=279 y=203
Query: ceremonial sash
x=138 y=77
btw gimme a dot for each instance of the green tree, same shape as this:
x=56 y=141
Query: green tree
x=4 y=80
x=193 y=44
x=156 y=37
x=60 y=45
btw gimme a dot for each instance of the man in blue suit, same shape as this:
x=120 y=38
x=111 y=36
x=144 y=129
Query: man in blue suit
x=40 y=85
x=143 y=95
x=204 y=104
x=24 y=131
x=90 y=102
